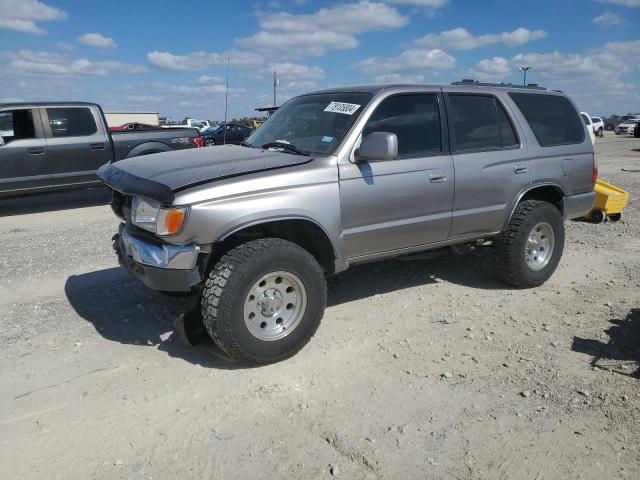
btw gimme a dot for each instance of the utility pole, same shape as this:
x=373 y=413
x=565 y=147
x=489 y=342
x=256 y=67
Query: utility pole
x=226 y=106
x=276 y=82
x=524 y=69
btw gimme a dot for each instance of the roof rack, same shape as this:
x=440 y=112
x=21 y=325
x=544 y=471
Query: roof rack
x=475 y=83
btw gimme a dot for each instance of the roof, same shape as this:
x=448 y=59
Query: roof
x=375 y=88
x=41 y=104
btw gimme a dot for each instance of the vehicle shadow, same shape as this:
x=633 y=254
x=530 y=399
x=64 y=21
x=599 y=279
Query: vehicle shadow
x=49 y=202
x=123 y=310
x=623 y=345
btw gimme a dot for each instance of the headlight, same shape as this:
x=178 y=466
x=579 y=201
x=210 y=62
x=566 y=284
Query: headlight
x=149 y=216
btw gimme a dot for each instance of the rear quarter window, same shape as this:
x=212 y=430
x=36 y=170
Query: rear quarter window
x=552 y=118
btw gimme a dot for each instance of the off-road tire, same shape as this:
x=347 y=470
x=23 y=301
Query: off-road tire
x=227 y=286
x=509 y=248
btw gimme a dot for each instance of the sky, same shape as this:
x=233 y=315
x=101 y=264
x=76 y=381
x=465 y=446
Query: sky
x=170 y=56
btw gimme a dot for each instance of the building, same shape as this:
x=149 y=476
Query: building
x=118 y=118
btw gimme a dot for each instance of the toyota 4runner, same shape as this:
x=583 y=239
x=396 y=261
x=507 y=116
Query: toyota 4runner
x=345 y=176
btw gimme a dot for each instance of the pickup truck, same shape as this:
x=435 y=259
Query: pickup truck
x=349 y=175
x=51 y=146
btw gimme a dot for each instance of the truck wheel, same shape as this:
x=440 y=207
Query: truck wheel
x=598 y=216
x=263 y=300
x=528 y=251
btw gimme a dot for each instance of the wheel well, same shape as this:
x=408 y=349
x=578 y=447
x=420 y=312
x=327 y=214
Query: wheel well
x=303 y=233
x=546 y=193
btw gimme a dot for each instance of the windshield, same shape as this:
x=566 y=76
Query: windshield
x=314 y=124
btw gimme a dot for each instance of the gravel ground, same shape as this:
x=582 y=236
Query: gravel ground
x=423 y=369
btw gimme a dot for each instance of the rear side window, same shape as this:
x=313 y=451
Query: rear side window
x=415 y=119
x=71 y=122
x=596 y=119
x=480 y=122
x=552 y=118
x=17 y=125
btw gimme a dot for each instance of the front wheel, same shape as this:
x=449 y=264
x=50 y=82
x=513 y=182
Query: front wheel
x=263 y=300
x=529 y=250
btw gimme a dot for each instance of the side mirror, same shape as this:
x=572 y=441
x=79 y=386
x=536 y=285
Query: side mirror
x=377 y=146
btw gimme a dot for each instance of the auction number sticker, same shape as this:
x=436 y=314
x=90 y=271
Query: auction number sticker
x=340 y=107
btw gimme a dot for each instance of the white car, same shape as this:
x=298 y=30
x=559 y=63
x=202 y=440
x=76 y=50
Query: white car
x=586 y=118
x=598 y=126
x=627 y=127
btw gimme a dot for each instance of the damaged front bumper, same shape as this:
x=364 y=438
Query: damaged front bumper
x=160 y=266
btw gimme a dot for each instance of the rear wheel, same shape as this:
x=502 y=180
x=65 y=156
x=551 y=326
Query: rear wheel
x=598 y=216
x=615 y=217
x=263 y=300
x=529 y=250
x=210 y=142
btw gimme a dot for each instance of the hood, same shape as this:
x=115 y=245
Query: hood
x=159 y=175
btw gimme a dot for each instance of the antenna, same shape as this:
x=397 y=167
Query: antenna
x=226 y=106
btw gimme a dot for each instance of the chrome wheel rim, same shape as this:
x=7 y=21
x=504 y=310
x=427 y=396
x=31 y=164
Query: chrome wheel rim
x=540 y=245
x=210 y=143
x=275 y=306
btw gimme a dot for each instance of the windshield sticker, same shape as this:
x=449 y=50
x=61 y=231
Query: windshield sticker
x=327 y=139
x=340 y=107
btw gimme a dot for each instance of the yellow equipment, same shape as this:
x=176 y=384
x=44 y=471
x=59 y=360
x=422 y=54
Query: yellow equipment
x=610 y=201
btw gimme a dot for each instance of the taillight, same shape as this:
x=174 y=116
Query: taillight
x=594 y=170
x=198 y=142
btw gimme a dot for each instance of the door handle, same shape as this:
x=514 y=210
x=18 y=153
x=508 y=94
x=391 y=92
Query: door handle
x=35 y=150
x=97 y=146
x=520 y=169
x=437 y=178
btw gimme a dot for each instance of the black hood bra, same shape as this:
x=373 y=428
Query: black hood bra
x=159 y=176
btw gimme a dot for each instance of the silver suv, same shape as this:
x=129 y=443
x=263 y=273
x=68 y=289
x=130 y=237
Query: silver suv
x=345 y=176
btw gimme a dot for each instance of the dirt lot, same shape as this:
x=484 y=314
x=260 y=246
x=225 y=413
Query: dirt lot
x=424 y=369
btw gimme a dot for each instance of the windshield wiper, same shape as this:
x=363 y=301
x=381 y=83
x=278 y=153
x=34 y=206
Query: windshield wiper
x=285 y=146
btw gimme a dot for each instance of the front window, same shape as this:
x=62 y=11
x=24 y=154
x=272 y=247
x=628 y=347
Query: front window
x=312 y=124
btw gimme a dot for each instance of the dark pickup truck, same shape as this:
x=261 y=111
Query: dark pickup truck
x=51 y=146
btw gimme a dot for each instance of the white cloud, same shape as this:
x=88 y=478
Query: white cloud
x=461 y=39
x=399 y=78
x=414 y=62
x=207 y=80
x=97 y=40
x=421 y=3
x=200 y=60
x=490 y=69
x=22 y=15
x=625 y=3
x=607 y=19
x=293 y=71
x=45 y=64
x=327 y=29
x=595 y=78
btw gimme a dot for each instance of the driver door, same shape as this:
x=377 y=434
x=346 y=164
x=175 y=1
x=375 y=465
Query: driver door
x=406 y=202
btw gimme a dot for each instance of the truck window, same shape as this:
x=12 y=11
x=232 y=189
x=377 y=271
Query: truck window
x=475 y=122
x=71 y=122
x=552 y=118
x=16 y=125
x=586 y=120
x=415 y=119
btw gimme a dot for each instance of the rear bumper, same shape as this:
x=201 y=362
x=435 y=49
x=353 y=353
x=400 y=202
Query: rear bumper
x=576 y=206
x=163 y=267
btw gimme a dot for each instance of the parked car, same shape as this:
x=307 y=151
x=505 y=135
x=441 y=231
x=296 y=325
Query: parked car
x=229 y=133
x=587 y=122
x=598 y=126
x=132 y=126
x=50 y=146
x=345 y=176
x=627 y=127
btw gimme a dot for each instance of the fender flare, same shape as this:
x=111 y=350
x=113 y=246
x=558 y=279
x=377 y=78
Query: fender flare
x=148 y=147
x=528 y=189
x=278 y=218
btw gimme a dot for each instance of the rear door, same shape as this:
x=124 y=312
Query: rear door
x=77 y=143
x=23 y=157
x=406 y=202
x=492 y=165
